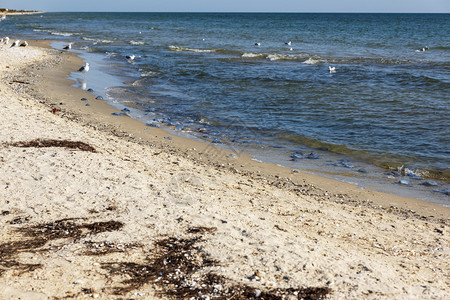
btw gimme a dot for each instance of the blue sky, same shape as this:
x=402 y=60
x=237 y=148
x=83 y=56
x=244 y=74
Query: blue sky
x=417 y=6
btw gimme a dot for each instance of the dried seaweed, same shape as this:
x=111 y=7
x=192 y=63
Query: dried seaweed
x=40 y=234
x=45 y=143
x=180 y=268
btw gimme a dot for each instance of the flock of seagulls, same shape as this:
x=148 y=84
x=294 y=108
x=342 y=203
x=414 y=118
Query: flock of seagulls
x=17 y=43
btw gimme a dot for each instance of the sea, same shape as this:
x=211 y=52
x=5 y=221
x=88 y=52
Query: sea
x=261 y=84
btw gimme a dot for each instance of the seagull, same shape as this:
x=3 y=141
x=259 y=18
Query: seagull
x=332 y=69
x=68 y=46
x=130 y=57
x=288 y=43
x=6 y=40
x=16 y=43
x=23 y=44
x=258 y=44
x=290 y=49
x=84 y=69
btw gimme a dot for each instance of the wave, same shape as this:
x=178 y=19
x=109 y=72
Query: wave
x=253 y=55
x=135 y=43
x=148 y=73
x=185 y=49
x=97 y=40
x=312 y=61
x=55 y=32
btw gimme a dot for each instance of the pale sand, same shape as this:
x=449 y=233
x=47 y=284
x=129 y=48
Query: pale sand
x=264 y=226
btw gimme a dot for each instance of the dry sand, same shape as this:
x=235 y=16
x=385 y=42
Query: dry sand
x=98 y=206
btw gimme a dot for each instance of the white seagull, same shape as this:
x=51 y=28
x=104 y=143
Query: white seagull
x=84 y=69
x=332 y=69
x=6 y=40
x=288 y=43
x=68 y=46
x=130 y=57
x=258 y=44
x=16 y=43
x=23 y=44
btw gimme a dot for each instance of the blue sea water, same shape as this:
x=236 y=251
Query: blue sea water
x=387 y=104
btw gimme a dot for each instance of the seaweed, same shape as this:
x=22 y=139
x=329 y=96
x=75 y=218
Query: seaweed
x=45 y=143
x=40 y=234
x=179 y=267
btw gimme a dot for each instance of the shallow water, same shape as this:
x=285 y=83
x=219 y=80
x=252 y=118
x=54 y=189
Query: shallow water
x=386 y=104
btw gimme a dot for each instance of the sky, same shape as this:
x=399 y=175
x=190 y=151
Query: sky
x=386 y=6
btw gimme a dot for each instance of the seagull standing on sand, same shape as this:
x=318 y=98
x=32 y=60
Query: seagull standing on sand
x=16 y=43
x=6 y=40
x=68 y=47
x=23 y=44
x=332 y=69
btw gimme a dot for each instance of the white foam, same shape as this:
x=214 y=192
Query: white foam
x=136 y=43
x=181 y=49
x=252 y=55
x=311 y=61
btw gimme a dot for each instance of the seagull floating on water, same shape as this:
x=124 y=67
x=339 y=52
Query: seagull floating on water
x=16 y=43
x=288 y=43
x=258 y=44
x=332 y=69
x=130 y=57
x=426 y=48
x=23 y=44
x=68 y=46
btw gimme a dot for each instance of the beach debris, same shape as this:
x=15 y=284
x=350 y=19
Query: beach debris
x=87 y=104
x=23 y=44
x=118 y=114
x=99 y=98
x=216 y=141
x=445 y=191
x=296 y=155
x=429 y=183
x=152 y=124
x=404 y=182
x=54 y=110
x=126 y=109
x=68 y=46
x=40 y=234
x=168 y=138
x=90 y=90
x=312 y=155
x=16 y=43
x=181 y=269
x=84 y=99
x=46 y=143
x=363 y=170
x=393 y=173
x=332 y=69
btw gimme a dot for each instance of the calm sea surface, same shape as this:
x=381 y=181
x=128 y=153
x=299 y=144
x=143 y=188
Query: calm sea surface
x=387 y=104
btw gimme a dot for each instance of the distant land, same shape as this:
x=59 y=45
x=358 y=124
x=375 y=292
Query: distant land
x=6 y=11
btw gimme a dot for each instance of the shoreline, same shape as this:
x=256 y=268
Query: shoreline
x=255 y=219
x=99 y=113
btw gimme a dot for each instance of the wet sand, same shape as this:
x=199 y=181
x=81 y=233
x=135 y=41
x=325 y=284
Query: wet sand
x=100 y=205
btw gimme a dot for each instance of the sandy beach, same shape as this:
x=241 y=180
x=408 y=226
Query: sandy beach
x=98 y=206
